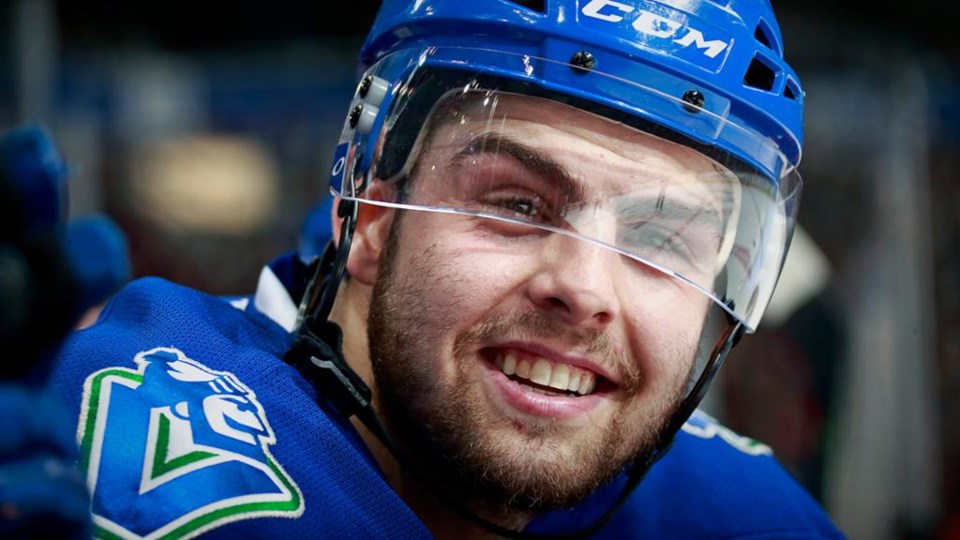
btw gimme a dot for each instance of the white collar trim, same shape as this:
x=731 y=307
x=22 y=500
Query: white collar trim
x=273 y=300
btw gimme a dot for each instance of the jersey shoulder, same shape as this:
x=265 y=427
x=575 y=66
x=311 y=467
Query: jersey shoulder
x=189 y=423
x=716 y=483
x=159 y=385
x=151 y=312
x=713 y=483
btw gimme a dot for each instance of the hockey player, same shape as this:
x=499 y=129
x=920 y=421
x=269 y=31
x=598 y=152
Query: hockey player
x=555 y=219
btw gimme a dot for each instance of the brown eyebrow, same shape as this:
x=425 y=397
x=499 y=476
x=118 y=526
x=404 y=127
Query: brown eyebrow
x=531 y=159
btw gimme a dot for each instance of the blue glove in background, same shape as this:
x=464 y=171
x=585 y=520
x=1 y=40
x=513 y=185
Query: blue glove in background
x=42 y=493
x=51 y=273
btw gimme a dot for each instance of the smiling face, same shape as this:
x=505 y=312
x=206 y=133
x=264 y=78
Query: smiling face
x=520 y=365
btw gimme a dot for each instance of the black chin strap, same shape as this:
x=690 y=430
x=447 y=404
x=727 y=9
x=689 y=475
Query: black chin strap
x=318 y=299
x=317 y=354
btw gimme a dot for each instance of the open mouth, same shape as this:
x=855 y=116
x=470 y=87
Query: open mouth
x=540 y=375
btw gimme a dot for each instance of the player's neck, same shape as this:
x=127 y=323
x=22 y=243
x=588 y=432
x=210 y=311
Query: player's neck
x=350 y=312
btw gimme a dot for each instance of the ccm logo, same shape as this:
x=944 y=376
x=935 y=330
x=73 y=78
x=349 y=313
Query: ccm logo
x=654 y=25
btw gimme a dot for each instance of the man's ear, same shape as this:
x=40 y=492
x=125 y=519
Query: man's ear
x=369 y=239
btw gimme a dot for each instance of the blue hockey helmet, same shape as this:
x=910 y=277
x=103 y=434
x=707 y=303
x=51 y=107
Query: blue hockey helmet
x=707 y=75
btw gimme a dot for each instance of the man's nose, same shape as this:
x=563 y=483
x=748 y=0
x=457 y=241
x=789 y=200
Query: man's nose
x=575 y=282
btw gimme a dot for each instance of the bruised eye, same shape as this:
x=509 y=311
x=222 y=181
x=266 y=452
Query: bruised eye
x=522 y=206
x=522 y=199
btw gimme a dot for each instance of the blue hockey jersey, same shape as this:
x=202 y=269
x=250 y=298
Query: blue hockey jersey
x=190 y=423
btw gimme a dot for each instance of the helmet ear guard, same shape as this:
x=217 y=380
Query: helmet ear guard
x=364 y=122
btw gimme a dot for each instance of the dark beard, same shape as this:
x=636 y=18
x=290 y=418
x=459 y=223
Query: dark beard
x=443 y=436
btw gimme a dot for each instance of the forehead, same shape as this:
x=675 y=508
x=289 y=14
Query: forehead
x=588 y=146
x=567 y=129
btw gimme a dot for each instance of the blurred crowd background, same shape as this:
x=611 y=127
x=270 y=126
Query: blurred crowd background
x=206 y=134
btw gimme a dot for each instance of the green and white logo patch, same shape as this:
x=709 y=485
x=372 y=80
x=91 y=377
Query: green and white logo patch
x=173 y=448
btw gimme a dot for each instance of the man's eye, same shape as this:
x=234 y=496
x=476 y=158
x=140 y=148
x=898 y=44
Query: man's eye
x=523 y=207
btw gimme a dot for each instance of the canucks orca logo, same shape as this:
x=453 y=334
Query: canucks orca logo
x=188 y=449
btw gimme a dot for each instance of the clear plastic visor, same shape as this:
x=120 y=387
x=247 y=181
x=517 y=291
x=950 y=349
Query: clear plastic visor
x=534 y=165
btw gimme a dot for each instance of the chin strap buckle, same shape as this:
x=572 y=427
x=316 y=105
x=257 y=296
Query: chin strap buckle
x=318 y=356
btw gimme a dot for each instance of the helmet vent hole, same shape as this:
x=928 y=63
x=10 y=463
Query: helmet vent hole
x=791 y=91
x=766 y=36
x=759 y=75
x=762 y=37
x=539 y=6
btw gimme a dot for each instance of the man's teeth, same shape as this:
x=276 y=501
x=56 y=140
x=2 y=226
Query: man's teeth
x=541 y=371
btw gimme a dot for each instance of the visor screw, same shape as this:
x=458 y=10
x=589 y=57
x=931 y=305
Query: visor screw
x=355 y=115
x=583 y=61
x=694 y=101
x=364 y=86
